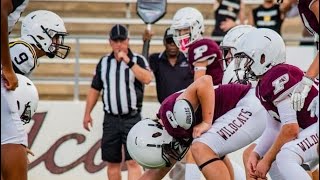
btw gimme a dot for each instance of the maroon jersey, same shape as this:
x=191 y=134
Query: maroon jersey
x=277 y=84
x=308 y=18
x=226 y=98
x=207 y=49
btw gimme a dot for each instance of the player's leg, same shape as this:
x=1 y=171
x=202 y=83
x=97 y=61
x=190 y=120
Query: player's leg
x=14 y=162
x=192 y=171
x=237 y=128
x=13 y=140
x=294 y=153
x=211 y=165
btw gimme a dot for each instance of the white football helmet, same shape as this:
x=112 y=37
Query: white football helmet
x=151 y=146
x=187 y=18
x=26 y=95
x=230 y=40
x=46 y=30
x=260 y=51
x=230 y=75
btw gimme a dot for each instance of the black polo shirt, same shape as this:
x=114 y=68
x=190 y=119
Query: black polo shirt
x=170 y=79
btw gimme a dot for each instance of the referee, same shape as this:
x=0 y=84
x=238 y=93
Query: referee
x=120 y=76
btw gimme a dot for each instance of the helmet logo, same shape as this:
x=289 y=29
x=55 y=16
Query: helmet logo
x=188 y=115
x=26 y=115
x=172 y=120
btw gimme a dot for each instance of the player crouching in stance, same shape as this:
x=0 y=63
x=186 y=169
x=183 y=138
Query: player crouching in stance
x=290 y=138
x=42 y=34
x=214 y=121
x=21 y=105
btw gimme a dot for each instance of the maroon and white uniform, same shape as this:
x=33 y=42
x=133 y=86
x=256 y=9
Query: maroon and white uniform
x=207 y=49
x=308 y=18
x=277 y=85
x=274 y=90
x=239 y=119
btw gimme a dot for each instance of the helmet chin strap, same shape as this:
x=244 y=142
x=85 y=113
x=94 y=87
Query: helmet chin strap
x=50 y=55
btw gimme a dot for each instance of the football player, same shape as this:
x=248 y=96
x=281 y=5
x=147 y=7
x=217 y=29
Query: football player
x=309 y=13
x=203 y=54
x=42 y=34
x=13 y=135
x=216 y=120
x=282 y=141
x=9 y=17
x=13 y=154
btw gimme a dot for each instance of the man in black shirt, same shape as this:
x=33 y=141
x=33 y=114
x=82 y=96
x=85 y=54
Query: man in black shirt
x=226 y=15
x=269 y=15
x=170 y=68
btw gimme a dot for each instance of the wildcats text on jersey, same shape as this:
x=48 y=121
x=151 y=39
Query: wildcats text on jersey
x=227 y=131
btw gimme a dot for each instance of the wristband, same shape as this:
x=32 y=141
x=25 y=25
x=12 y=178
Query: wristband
x=130 y=64
x=200 y=68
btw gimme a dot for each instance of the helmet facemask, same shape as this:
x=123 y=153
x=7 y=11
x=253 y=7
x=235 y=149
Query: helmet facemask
x=227 y=56
x=57 y=47
x=182 y=41
x=176 y=149
x=243 y=63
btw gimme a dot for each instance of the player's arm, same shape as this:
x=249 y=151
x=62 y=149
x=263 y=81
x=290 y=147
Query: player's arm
x=285 y=6
x=201 y=92
x=8 y=73
x=251 y=19
x=314 y=7
x=268 y=136
x=242 y=12
x=200 y=68
x=313 y=70
x=288 y=132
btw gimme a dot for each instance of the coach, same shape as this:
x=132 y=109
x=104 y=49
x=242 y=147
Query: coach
x=120 y=76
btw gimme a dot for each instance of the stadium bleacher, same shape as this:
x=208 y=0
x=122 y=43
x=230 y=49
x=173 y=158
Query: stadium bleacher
x=88 y=22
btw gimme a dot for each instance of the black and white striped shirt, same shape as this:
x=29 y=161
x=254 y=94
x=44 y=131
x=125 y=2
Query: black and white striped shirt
x=121 y=91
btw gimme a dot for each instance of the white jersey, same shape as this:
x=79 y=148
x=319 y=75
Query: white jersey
x=12 y=130
x=23 y=56
x=18 y=8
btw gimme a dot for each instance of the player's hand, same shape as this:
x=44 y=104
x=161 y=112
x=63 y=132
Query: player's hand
x=200 y=129
x=29 y=152
x=252 y=164
x=314 y=107
x=300 y=93
x=87 y=121
x=262 y=169
x=10 y=78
